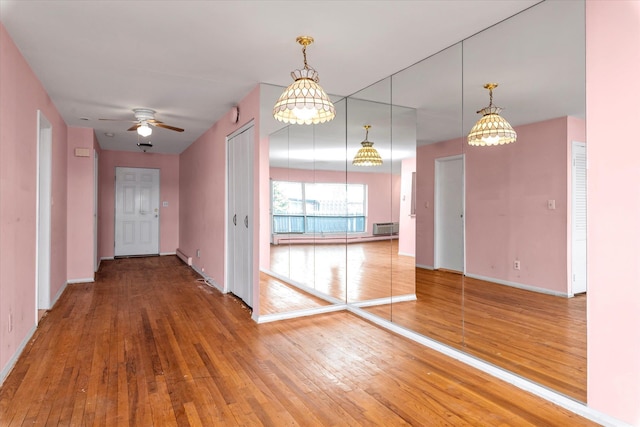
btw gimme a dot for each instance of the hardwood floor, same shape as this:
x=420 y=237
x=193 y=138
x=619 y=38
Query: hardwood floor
x=148 y=345
x=537 y=336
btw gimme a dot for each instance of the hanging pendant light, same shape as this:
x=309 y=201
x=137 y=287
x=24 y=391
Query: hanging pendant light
x=491 y=129
x=304 y=101
x=367 y=155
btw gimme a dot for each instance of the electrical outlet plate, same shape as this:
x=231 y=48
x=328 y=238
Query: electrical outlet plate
x=516 y=265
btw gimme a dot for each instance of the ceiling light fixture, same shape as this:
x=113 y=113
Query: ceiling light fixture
x=144 y=129
x=491 y=129
x=304 y=101
x=145 y=145
x=367 y=155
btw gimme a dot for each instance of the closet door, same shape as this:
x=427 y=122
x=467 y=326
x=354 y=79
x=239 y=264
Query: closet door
x=240 y=207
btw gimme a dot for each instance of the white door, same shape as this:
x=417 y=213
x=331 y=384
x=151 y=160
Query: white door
x=240 y=208
x=43 y=230
x=449 y=214
x=578 y=218
x=137 y=211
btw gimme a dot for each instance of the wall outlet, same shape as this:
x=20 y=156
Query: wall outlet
x=516 y=265
x=10 y=326
x=197 y=253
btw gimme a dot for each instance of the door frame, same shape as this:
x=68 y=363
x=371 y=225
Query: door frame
x=115 y=207
x=437 y=190
x=44 y=171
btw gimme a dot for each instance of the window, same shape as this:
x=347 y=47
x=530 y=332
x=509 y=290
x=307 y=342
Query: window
x=301 y=207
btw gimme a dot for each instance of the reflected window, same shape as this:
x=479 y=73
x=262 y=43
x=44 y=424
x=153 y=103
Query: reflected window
x=318 y=208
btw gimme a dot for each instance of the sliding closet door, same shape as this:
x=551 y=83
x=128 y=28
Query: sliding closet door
x=240 y=232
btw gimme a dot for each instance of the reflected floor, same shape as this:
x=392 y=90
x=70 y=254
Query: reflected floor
x=374 y=270
x=538 y=336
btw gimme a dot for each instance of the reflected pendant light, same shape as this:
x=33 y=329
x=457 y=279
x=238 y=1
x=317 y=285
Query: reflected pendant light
x=491 y=129
x=304 y=101
x=367 y=155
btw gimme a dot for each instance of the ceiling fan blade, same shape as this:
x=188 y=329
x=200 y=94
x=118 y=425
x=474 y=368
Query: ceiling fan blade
x=162 y=125
x=134 y=127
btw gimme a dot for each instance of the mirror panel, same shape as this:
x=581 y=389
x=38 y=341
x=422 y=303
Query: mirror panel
x=432 y=89
x=368 y=252
x=463 y=287
x=517 y=310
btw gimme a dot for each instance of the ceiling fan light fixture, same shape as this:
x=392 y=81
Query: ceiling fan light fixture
x=304 y=101
x=492 y=128
x=367 y=155
x=144 y=129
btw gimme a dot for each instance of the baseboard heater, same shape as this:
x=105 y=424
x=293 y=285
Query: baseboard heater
x=184 y=257
x=385 y=228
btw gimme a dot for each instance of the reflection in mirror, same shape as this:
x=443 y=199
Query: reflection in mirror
x=433 y=90
x=517 y=310
x=307 y=253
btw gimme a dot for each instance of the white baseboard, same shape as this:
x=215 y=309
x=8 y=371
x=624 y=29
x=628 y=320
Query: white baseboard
x=426 y=267
x=384 y=301
x=12 y=362
x=518 y=285
x=85 y=280
x=167 y=253
x=265 y=318
x=405 y=254
x=106 y=258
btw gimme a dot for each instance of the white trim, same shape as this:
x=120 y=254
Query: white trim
x=16 y=355
x=516 y=380
x=85 y=280
x=266 y=318
x=167 y=253
x=384 y=300
x=426 y=267
x=56 y=297
x=518 y=285
x=405 y=254
x=107 y=258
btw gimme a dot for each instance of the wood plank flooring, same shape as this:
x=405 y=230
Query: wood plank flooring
x=148 y=345
x=538 y=336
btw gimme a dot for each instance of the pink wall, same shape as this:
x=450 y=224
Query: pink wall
x=382 y=205
x=506 y=194
x=80 y=188
x=613 y=209
x=169 y=191
x=425 y=176
x=21 y=96
x=507 y=189
x=203 y=171
x=407 y=234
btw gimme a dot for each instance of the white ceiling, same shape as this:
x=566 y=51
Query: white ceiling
x=191 y=61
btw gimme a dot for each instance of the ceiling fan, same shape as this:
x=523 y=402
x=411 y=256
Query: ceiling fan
x=144 y=118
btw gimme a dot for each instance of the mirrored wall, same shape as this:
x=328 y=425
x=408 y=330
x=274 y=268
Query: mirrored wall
x=480 y=248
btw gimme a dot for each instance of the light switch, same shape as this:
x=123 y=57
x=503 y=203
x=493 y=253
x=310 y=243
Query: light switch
x=551 y=204
x=165 y=204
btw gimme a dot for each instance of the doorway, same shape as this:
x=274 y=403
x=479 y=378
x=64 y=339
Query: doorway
x=43 y=210
x=449 y=214
x=239 y=214
x=137 y=212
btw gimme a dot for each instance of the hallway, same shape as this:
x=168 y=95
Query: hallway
x=149 y=345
